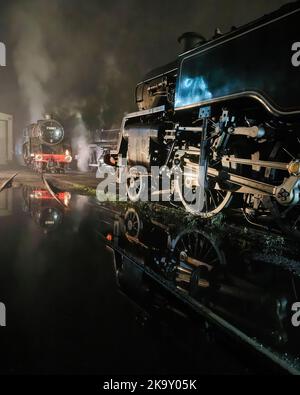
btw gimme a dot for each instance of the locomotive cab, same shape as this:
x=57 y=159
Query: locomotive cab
x=157 y=88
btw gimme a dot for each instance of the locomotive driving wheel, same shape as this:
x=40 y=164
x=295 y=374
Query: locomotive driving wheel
x=133 y=224
x=197 y=258
x=136 y=185
x=215 y=199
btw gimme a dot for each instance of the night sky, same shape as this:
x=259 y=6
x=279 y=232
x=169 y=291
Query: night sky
x=74 y=56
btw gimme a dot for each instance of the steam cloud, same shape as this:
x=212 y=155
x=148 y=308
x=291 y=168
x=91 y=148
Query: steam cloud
x=80 y=143
x=83 y=153
x=33 y=64
x=72 y=56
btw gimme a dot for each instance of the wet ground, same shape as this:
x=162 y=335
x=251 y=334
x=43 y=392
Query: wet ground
x=122 y=289
x=71 y=179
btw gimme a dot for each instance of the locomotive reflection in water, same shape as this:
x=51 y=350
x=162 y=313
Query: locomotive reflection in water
x=44 y=148
x=231 y=127
x=46 y=209
x=226 y=280
x=215 y=267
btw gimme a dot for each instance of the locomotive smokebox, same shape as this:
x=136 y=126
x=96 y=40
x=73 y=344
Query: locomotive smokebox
x=47 y=131
x=190 y=40
x=50 y=132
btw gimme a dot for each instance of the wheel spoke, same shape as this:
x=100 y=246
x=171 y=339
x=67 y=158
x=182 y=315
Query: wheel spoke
x=206 y=206
x=213 y=198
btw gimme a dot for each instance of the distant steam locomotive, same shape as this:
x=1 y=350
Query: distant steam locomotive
x=44 y=148
x=226 y=112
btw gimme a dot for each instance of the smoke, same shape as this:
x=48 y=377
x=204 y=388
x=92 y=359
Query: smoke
x=87 y=56
x=18 y=152
x=80 y=145
x=33 y=64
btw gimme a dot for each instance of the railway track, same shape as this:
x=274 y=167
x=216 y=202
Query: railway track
x=8 y=183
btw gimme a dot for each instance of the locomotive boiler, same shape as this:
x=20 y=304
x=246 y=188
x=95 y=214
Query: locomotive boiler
x=226 y=114
x=44 y=147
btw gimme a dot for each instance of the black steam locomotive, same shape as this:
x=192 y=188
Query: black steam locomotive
x=44 y=148
x=227 y=113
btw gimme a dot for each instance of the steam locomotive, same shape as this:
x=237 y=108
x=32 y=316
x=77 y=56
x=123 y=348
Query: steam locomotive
x=44 y=148
x=226 y=112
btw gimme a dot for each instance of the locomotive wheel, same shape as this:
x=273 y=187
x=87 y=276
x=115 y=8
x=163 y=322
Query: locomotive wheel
x=136 y=185
x=215 y=200
x=40 y=167
x=197 y=258
x=133 y=225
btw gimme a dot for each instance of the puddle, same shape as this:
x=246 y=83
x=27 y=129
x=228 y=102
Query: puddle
x=79 y=299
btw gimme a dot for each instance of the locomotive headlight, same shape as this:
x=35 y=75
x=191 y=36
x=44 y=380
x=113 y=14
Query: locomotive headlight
x=294 y=168
x=68 y=158
x=38 y=157
x=67 y=198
